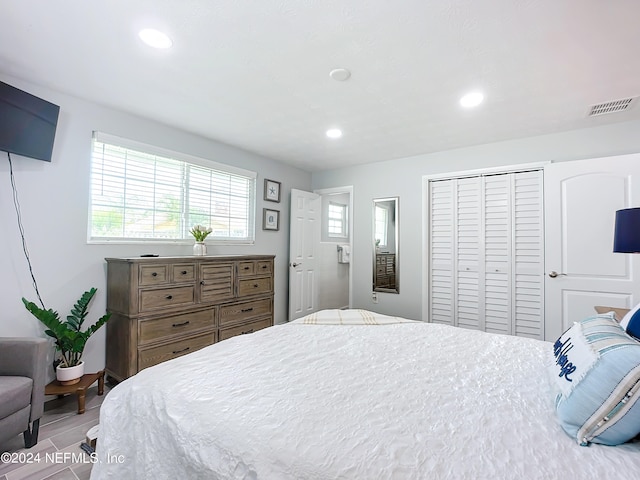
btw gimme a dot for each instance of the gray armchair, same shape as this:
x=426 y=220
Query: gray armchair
x=22 y=380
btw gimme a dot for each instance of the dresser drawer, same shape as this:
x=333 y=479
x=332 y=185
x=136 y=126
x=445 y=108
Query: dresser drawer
x=264 y=267
x=246 y=268
x=245 y=311
x=253 y=268
x=244 y=329
x=254 y=286
x=152 y=356
x=153 y=274
x=167 y=327
x=166 y=297
x=183 y=272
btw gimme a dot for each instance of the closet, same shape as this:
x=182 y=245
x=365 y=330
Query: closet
x=486 y=252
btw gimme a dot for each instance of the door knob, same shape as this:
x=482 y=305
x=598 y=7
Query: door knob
x=294 y=265
x=553 y=274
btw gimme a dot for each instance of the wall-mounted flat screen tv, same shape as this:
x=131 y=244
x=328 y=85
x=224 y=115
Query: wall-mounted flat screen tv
x=27 y=123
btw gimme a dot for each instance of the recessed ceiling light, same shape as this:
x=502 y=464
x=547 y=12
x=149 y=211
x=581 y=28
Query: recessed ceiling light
x=155 y=38
x=472 y=99
x=340 y=74
x=334 y=133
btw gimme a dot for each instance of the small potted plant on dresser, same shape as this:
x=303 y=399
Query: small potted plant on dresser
x=69 y=337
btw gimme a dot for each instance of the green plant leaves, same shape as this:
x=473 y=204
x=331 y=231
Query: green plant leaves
x=81 y=309
x=70 y=339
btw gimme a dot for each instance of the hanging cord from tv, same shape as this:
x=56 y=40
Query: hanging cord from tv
x=16 y=205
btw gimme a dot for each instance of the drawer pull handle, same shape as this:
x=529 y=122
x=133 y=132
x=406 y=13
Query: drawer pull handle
x=169 y=297
x=264 y=266
x=180 y=351
x=255 y=285
x=181 y=324
x=201 y=282
x=248 y=331
x=154 y=274
x=183 y=272
x=247 y=309
x=246 y=268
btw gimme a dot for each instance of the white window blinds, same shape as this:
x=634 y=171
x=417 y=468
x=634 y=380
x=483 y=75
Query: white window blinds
x=140 y=192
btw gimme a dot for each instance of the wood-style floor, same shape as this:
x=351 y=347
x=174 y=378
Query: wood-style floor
x=61 y=432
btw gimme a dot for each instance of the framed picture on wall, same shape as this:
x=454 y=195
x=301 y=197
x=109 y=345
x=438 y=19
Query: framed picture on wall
x=270 y=219
x=271 y=190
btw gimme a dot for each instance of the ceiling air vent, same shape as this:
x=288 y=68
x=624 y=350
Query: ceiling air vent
x=611 y=107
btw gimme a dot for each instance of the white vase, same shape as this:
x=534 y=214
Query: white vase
x=70 y=375
x=199 y=248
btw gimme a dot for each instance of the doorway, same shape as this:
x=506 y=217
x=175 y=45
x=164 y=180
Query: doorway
x=486 y=252
x=320 y=254
x=581 y=198
x=560 y=280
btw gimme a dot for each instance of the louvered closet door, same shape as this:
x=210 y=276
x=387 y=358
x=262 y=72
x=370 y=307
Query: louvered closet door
x=497 y=237
x=442 y=236
x=468 y=253
x=486 y=253
x=528 y=310
x=456 y=252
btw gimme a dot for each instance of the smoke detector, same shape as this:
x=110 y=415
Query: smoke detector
x=611 y=107
x=340 y=74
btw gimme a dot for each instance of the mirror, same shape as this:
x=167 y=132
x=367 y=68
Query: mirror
x=385 y=245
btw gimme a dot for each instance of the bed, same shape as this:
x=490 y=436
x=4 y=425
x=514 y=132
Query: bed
x=349 y=395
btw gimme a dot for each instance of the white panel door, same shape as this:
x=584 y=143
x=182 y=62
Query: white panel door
x=303 y=253
x=581 y=198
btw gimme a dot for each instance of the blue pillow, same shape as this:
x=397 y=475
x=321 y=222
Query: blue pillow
x=631 y=322
x=597 y=370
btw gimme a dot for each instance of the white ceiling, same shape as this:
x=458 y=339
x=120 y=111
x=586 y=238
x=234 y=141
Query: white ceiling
x=255 y=74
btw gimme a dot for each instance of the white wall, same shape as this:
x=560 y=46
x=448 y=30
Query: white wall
x=54 y=202
x=333 y=277
x=403 y=178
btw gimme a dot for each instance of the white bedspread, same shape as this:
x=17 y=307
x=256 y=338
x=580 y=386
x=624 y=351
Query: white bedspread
x=396 y=401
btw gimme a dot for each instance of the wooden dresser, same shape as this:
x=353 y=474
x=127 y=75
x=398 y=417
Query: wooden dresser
x=385 y=270
x=165 y=307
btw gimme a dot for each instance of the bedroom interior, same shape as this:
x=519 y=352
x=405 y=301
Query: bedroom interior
x=422 y=237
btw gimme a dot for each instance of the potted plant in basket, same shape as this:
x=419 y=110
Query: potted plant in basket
x=69 y=337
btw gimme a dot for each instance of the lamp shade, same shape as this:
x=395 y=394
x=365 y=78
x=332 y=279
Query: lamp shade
x=627 y=231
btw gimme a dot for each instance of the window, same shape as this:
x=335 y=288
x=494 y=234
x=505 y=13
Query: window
x=337 y=220
x=381 y=221
x=140 y=192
